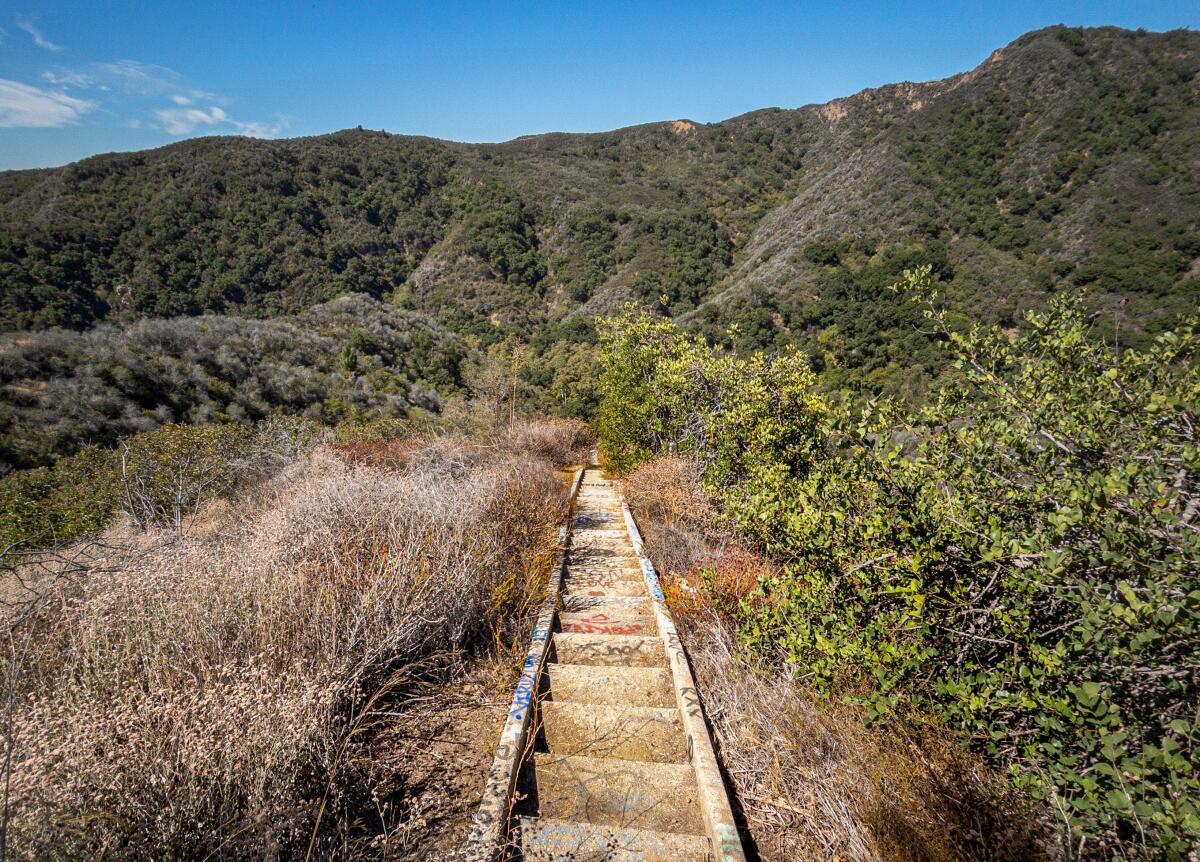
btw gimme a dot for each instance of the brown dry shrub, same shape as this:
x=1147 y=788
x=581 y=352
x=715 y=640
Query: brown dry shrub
x=814 y=782
x=721 y=582
x=810 y=779
x=703 y=565
x=562 y=442
x=205 y=697
x=389 y=455
x=674 y=511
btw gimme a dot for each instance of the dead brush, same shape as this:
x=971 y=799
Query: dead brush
x=207 y=696
x=386 y=455
x=562 y=442
x=527 y=507
x=720 y=582
x=703 y=565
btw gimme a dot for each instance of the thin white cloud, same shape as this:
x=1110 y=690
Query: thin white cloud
x=143 y=79
x=25 y=23
x=67 y=78
x=23 y=106
x=130 y=87
x=260 y=130
x=185 y=121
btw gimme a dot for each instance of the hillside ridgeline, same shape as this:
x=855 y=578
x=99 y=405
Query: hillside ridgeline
x=1067 y=158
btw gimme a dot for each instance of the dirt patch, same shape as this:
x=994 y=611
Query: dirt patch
x=428 y=766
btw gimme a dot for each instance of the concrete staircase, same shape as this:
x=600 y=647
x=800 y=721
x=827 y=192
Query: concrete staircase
x=614 y=773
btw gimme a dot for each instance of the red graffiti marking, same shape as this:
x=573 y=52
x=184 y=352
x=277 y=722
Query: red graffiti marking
x=586 y=628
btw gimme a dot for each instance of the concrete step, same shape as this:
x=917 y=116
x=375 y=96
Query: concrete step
x=580 y=560
x=601 y=543
x=625 y=793
x=594 y=519
x=604 y=569
x=586 y=615
x=620 y=686
x=547 y=840
x=604 y=534
x=618 y=650
x=644 y=733
x=601 y=567
x=598 y=587
x=630 y=605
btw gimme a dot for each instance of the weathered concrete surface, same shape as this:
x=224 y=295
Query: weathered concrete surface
x=624 y=768
x=611 y=792
x=644 y=733
x=595 y=615
x=547 y=840
x=633 y=686
x=604 y=585
x=618 y=650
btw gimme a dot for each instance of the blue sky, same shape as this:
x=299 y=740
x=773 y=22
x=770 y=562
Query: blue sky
x=78 y=78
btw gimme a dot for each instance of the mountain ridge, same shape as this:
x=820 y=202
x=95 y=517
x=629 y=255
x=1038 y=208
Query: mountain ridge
x=1066 y=160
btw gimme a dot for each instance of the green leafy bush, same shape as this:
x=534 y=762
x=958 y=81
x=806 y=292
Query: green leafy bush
x=50 y=505
x=170 y=472
x=371 y=431
x=1018 y=560
x=748 y=420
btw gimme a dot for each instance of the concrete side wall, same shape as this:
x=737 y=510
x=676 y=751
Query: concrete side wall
x=714 y=801
x=490 y=824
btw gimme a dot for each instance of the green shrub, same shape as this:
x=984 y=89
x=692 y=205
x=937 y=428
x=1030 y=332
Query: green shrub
x=1027 y=574
x=1018 y=560
x=749 y=421
x=52 y=505
x=371 y=430
x=167 y=474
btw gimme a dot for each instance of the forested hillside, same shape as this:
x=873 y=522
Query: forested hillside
x=1068 y=158
x=904 y=390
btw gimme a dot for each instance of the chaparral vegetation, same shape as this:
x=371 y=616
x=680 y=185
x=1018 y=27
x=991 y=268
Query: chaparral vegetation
x=903 y=390
x=1017 y=561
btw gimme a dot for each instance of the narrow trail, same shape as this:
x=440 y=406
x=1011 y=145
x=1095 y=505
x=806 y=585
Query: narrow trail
x=617 y=764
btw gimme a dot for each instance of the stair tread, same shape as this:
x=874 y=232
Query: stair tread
x=608 y=649
x=622 y=732
x=630 y=686
x=609 y=792
x=598 y=589
x=616 y=604
x=601 y=615
x=548 y=839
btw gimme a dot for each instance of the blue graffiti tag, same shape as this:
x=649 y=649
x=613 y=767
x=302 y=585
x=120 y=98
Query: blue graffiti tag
x=652 y=580
x=524 y=693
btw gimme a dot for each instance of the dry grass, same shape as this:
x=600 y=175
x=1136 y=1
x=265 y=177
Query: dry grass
x=562 y=442
x=211 y=696
x=815 y=783
x=812 y=781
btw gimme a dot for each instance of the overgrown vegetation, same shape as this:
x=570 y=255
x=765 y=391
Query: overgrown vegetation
x=348 y=360
x=1060 y=162
x=1017 y=561
x=207 y=686
x=1002 y=550
x=812 y=779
